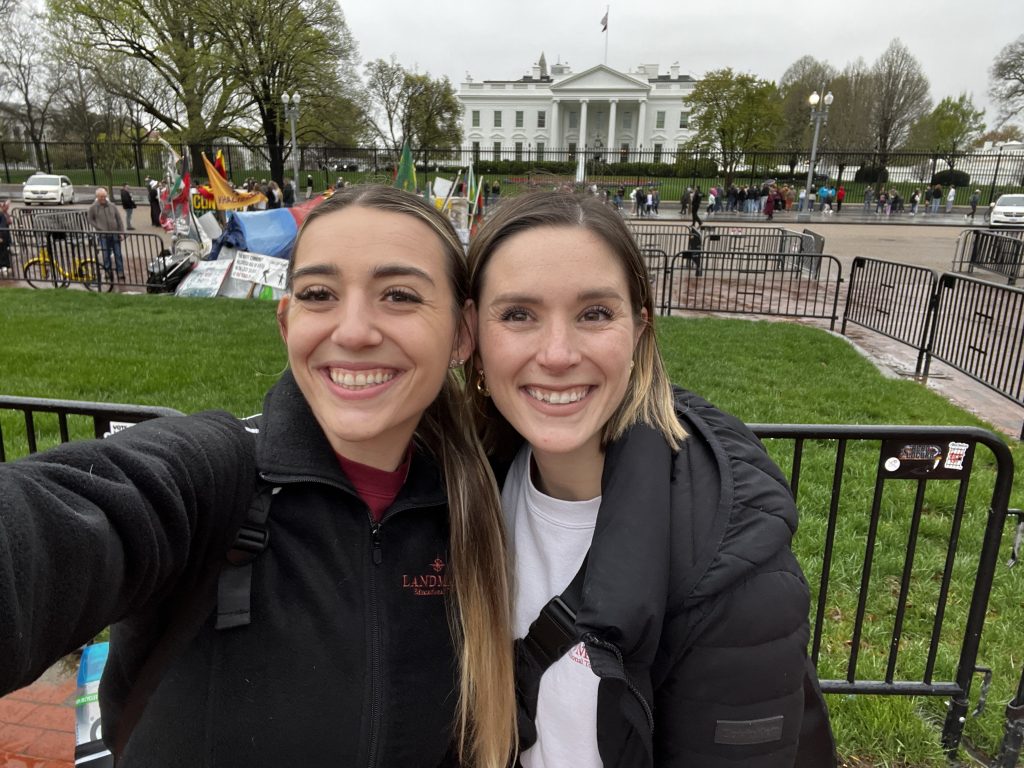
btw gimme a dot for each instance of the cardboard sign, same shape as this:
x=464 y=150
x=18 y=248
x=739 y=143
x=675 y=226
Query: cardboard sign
x=205 y=280
x=260 y=269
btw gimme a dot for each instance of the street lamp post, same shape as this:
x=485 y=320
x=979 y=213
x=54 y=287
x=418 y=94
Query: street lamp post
x=291 y=111
x=819 y=117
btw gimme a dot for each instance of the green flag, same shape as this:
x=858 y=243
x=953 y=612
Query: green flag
x=406 y=176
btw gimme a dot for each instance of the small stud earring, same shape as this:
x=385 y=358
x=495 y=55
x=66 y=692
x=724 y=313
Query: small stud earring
x=455 y=364
x=632 y=365
x=481 y=387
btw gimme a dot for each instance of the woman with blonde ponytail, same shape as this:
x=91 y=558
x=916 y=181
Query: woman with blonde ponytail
x=362 y=616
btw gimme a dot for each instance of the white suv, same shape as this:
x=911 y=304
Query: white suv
x=48 y=188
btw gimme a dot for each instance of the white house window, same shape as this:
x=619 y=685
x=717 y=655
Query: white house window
x=624 y=152
x=497 y=150
x=627 y=120
x=540 y=150
x=657 y=153
x=497 y=118
x=519 y=118
x=659 y=119
x=684 y=119
x=476 y=118
x=519 y=151
x=574 y=119
x=542 y=118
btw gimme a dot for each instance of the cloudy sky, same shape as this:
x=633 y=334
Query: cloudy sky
x=955 y=40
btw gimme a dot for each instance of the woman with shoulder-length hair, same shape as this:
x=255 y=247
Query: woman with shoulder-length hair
x=662 y=618
x=373 y=627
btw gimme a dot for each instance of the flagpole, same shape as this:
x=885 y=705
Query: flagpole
x=606 y=35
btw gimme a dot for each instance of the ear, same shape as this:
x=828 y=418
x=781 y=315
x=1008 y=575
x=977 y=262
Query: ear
x=465 y=340
x=282 y=316
x=642 y=326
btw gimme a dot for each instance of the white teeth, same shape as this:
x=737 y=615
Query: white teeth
x=558 y=398
x=359 y=380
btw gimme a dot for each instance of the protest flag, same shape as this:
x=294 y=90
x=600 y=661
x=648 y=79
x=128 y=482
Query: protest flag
x=406 y=176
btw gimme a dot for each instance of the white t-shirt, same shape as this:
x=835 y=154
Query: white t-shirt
x=550 y=538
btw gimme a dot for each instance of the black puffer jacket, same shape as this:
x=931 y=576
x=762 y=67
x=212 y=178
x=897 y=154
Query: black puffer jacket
x=348 y=660
x=694 y=610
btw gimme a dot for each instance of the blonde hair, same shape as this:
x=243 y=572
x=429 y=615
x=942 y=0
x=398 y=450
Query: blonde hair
x=481 y=610
x=648 y=397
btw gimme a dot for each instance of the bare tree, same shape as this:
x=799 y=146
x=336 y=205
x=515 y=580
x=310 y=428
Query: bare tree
x=30 y=78
x=901 y=97
x=1007 y=81
x=804 y=76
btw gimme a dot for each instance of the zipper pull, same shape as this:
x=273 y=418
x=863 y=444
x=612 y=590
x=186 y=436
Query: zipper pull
x=375 y=534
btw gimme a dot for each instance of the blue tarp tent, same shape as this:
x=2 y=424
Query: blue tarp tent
x=268 y=232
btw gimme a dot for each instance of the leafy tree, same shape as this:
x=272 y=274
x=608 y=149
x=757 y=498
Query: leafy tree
x=288 y=46
x=734 y=114
x=405 y=105
x=1007 y=81
x=950 y=128
x=1000 y=135
x=901 y=97
x=29 y=77
x=193 y=92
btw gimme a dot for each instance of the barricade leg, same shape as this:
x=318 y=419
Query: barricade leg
x=1013 y=733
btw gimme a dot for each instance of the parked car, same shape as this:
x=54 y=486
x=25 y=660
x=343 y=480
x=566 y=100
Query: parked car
x=47 y=188
x=1008 y=211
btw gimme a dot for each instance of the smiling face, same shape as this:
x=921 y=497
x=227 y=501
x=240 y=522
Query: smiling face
x=371 y=326
x=556 y=335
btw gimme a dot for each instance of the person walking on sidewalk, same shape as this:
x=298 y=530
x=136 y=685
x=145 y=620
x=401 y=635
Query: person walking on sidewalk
x=128 y=204
x=950 y=197
x=974 y=200
x=106 y=220
x=936 y=197
x=154 y=201
x=5 y=238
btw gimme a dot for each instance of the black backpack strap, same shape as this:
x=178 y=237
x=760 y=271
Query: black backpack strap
x=550 y=637
x=192 y=612
x=234 y=587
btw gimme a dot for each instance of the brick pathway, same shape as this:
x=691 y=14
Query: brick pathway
x=37 y=723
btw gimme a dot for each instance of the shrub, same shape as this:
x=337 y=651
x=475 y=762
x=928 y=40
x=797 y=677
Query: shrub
x=871 y=174
x=953 y=178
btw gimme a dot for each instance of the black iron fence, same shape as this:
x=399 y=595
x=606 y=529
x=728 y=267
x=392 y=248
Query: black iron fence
x=51 y=256
x=524 y=164
x=736 y=269
x=974 y=326
x=863 y=625
x=1001 y=252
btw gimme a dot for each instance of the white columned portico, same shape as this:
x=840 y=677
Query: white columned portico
x=583 y=123
x=611 y=123
x=641 y=123
x=555 y=136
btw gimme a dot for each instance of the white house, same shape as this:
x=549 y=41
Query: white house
x=601 y=110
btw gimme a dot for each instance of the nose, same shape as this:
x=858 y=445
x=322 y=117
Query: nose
x=356 y=325
x=559 y=348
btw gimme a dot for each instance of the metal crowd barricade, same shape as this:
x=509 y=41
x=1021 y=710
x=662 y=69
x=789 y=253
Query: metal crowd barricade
x=919 y=501
x=49 y=422
x=48 y=219
x=753 y=283
x=892 y=299
x=69 y=247
x=999 y=252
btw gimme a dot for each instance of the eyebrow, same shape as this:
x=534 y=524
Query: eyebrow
x=382 y=271
x=595 y=294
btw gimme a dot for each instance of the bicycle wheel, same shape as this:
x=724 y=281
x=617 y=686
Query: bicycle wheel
x=40 y=273
x=91 y=274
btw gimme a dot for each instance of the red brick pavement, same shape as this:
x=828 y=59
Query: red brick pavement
x=37 y=723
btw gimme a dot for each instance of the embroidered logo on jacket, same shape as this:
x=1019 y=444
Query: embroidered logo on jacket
x=425 y=584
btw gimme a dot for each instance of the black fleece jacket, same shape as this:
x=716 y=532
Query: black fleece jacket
x=348 y=660
x=694 y=610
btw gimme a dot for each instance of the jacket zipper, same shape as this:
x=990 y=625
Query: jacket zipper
x=376 y=683
x=591 y=639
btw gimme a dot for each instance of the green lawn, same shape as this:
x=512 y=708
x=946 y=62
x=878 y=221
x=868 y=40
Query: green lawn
x=196 y=354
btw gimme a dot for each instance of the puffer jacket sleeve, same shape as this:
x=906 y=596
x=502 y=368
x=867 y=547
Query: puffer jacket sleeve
x=91 y=532
x=735 y=695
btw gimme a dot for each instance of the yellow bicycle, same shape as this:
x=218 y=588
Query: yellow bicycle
x=43 y=271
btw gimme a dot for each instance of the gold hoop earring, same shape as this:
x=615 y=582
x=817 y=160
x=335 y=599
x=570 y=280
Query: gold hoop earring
x=481 y=386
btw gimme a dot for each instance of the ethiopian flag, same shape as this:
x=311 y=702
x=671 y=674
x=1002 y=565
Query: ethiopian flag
x=405 y=178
